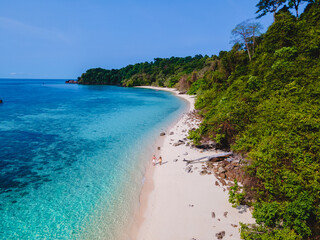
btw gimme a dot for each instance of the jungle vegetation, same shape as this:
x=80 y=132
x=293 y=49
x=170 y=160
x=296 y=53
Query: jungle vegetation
x=263 y=104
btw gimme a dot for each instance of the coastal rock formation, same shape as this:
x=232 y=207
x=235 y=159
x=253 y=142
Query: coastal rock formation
x=220 y=235
x=221 y=170
x=180 y=142
x=226 y=169
x=71 y=81
x=207 y=145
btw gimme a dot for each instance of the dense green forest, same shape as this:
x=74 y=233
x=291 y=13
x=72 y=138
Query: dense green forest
x=265 y=106
x=160 y=72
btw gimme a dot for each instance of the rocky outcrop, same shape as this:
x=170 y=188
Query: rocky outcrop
x=220 y=235
x=207 y=145
x=226 y=169
x=180 y=142
x=71 y=81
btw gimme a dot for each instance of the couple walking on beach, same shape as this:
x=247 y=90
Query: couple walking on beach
x=154 y=160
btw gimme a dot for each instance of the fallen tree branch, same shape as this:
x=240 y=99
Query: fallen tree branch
x=209 y=158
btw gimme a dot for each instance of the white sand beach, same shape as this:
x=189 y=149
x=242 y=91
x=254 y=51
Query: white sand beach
x=176 y=204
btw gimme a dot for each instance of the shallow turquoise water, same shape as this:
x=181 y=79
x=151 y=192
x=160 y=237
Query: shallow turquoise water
x=72 y=157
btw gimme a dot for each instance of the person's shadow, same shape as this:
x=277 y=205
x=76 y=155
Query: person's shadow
x=162 y=163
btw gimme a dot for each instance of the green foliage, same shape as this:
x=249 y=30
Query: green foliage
x=254 y=83
x=196 y=86
x=195 y=136
x=268 y=213
x=298 y=212
x=259 y=232
x=236 y=197
x=160 y=72
x=267 y=108
x=265 y=6
x=270 y=111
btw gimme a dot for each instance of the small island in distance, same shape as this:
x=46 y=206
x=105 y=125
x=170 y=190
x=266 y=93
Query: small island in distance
x=72 y=81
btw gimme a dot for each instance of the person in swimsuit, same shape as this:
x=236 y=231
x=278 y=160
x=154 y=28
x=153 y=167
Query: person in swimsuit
x=154 y=160
x=160 y=160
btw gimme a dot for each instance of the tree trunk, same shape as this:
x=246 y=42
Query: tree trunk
x=248 y=50
x=209 y=158
x=275 y=8
x=253 y=43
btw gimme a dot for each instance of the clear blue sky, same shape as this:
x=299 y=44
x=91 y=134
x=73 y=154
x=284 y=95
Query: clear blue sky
x=63 y=38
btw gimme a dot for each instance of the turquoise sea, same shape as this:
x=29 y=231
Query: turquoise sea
x=72 y=157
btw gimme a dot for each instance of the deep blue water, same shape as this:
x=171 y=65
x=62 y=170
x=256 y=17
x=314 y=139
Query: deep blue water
x=72 y=157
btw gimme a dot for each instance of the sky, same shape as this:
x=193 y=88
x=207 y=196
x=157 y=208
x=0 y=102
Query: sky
x=61 y=39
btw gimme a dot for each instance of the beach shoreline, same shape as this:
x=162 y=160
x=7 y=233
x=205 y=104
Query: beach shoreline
x=148 y=185
x=177 y=202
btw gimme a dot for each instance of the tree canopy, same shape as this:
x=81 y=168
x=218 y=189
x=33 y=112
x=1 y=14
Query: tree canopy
x=272 y=6
x=246 y=33
x=267 y=109
x=160 y=72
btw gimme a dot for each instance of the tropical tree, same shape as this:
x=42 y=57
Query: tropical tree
x=295 y=4
x=245 y=33
x=272 y=6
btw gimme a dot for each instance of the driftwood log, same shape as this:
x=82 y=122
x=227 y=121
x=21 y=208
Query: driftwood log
x=209 y=158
